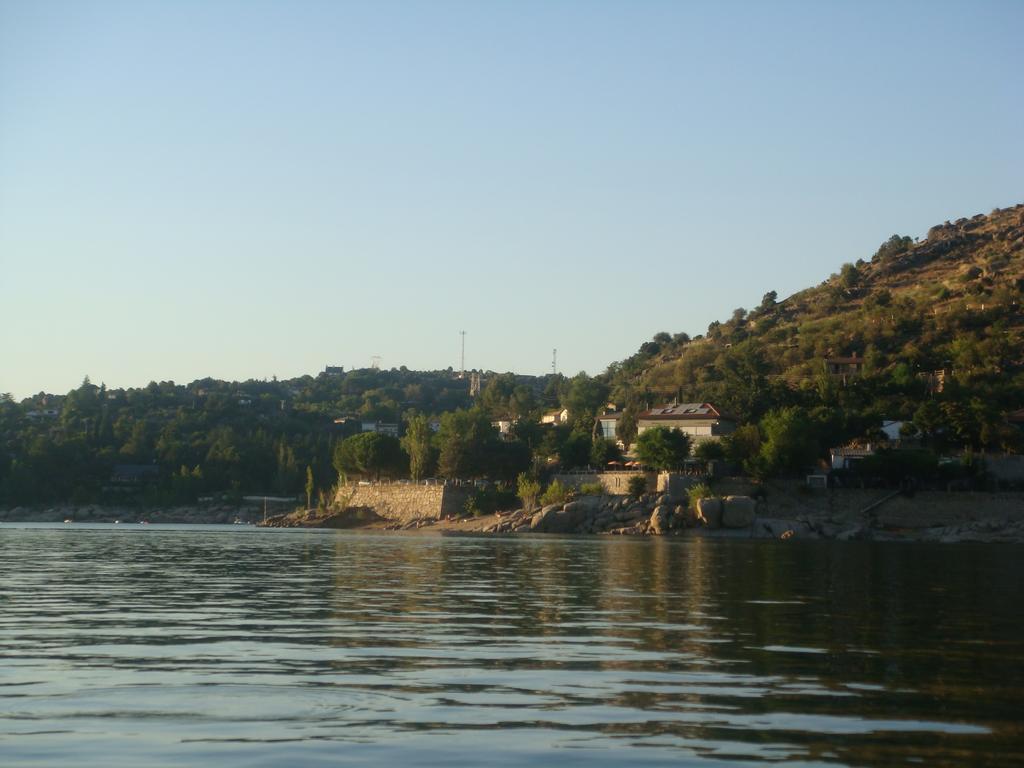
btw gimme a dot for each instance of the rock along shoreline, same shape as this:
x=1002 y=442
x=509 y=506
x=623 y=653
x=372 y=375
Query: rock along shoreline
x=847 y=516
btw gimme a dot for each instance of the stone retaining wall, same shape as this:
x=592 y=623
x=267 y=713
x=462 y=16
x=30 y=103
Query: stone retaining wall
x=617 y=483
x=614 y=483
x=405 y=502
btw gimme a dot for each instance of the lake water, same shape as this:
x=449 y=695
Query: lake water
x=177 y=645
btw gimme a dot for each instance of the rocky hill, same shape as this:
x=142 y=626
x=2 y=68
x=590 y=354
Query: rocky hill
x=939 y=315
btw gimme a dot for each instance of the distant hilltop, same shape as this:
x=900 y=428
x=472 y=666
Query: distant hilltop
x=947 y=306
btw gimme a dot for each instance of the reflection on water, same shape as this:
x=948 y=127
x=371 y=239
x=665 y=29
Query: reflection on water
x=177 y=645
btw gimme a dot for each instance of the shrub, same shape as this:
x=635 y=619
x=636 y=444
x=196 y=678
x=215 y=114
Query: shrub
x=489 y=501
x=696 y=492
x=972 y=273
x=709 y=450
x=591 y=489
x=529 y=489
x=637 y=485
x=894 y=246
x=556 y=493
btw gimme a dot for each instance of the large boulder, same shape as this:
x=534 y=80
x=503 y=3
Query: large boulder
x=567 y=520
x=660 y=520
x=555 y=518
x=781 y=528
x=590 y=502
x=709 y=512
x=738 y=511
x=539 y=521
x=632 y=513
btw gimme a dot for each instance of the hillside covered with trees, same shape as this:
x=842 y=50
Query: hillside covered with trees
x=929 y=333
x=167 y=443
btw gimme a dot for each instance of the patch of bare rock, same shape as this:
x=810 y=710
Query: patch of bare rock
x=652 y=515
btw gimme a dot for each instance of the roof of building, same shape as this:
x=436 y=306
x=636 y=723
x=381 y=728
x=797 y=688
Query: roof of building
x=853 y=452
x=684 y=411
x=556 y=412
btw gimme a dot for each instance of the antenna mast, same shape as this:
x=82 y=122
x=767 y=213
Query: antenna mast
x=462 y=358
x=554 y=362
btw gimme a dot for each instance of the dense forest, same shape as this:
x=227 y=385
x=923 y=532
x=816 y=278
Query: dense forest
x=172 y=443
x=934 y=326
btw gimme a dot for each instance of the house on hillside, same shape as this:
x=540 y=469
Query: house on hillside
x=380 y=427
x=560 y=416
x=505 y=428
x=701 y=421
x=44 y=413
x=845 y=369
x=607 y=424
x=346 y=426
x=935 y=381
x=846 y=457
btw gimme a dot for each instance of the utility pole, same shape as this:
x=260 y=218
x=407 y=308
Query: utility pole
x=462 y=357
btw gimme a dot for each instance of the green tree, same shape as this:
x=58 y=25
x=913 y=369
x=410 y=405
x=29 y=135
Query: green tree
x=417 y=443
x=768 y=302
x=310 y=486
x=496 y=396
x=575 y=451
x=556 y=493
x=467 y=442
x=849 y=277
x=709 y=450
x=287 y=474
x=663 y=448
x=370 y=454
x=626 y=425
x=637 y=485
x=788 y=442
x=528 y=489
x=744 y=378
x=583 y=399
x=603 y=451
x=895 y=245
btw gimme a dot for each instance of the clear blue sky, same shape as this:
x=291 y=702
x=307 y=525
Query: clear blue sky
x=248 y=189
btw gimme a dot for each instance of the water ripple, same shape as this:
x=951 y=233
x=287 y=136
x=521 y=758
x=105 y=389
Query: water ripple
x=190 y=645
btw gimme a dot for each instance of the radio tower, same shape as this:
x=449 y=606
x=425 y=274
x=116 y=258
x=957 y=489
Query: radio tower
x=462 y=358
x=554 y=362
